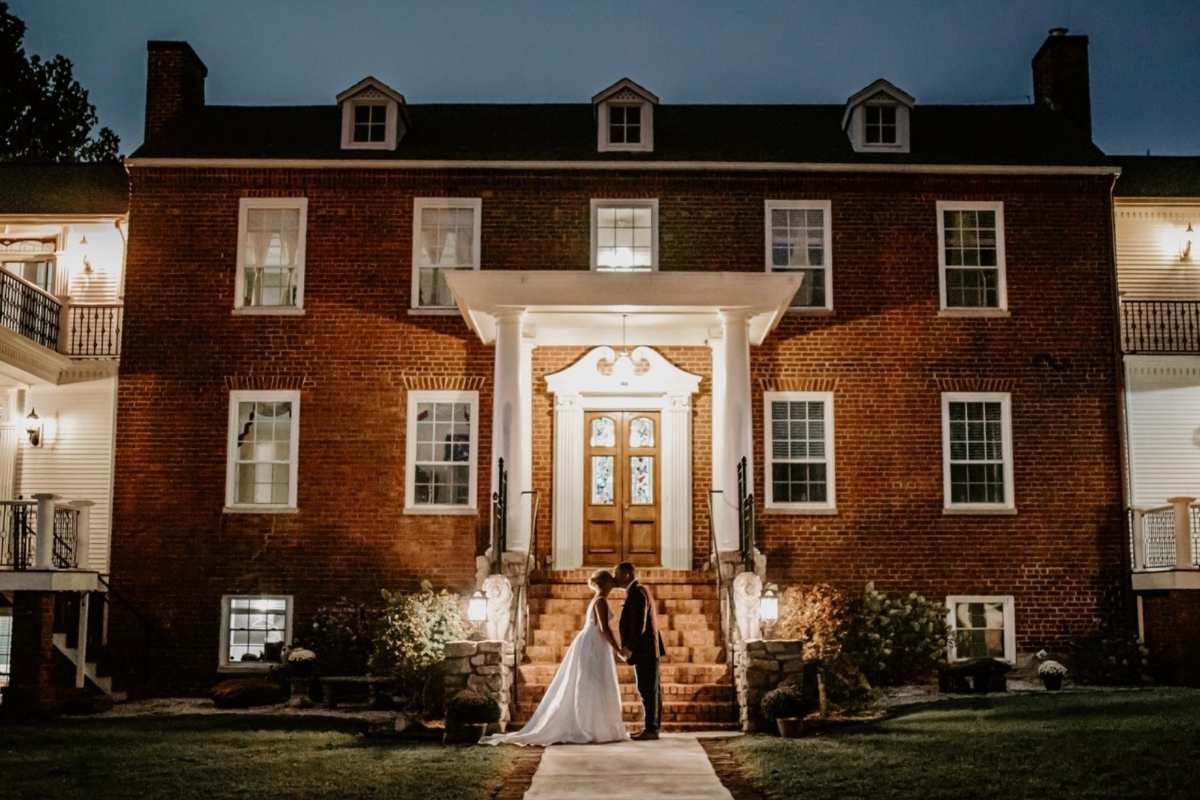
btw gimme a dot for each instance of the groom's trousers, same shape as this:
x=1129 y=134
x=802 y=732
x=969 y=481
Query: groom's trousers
x=647 y=676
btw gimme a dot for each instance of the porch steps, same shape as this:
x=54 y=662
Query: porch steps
x=697 y=685
x=101 y=682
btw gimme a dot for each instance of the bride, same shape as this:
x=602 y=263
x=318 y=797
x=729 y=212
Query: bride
x=583 y=702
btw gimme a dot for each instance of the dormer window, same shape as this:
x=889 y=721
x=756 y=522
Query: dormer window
x=625 y=118
x=880 y=124
x=877 y=119
x=374 y=116
x=370 y=123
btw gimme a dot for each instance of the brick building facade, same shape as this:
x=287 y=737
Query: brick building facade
x=893 y=357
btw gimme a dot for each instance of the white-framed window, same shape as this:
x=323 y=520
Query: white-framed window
x=799 y=240
x=442 y=452
x=270 y=261
x=264 y=444
x=369 y=124
x=798 y=447
x=5 y=645
x=32 y=259
x=446 y=236
x=981 y=627
x=625 y=235
x=254 y=630
x=971 y=274
x=977 y=451
x=624 y=123
x=880 y=125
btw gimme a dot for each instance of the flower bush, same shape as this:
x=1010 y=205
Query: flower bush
x=783 y=702
x=341 y=636
x=410 y=638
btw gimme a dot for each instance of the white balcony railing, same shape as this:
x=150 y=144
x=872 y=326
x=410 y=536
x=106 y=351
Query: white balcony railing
x=1166 y=537
x=45 y=533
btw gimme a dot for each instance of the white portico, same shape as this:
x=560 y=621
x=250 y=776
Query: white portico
x=638 y=387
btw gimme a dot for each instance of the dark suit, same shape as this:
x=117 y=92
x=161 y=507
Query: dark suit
x=640 y=635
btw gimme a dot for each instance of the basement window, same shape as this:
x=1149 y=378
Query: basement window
x=982 y=627
x=254 y=630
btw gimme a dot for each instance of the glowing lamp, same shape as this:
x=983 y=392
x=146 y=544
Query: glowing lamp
x=477 y=608
x=33 y=427
x=1185 y=244
x=768 y=607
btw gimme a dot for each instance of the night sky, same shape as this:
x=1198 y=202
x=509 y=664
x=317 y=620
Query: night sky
x=1145 y=56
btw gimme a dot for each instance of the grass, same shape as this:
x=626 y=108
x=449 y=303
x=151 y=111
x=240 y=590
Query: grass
x=1127 y=744
x=236 y=756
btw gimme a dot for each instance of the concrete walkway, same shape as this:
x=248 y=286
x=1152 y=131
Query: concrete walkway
x=674 y=767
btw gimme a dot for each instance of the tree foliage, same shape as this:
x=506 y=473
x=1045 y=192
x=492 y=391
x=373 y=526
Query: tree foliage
x=45 y=115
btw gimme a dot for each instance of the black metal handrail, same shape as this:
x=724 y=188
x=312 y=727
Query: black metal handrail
x=18 y=534
x=521 y=624
x=724 y=596
x=29 y=311
x=499 y=539
x=1160 y=326
x=746 y=543
x=66 y=538
x=94 y=330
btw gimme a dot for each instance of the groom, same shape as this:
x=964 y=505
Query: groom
x=641 y=645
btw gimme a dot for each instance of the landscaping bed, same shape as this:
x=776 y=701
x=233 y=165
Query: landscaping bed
x=1138 y=743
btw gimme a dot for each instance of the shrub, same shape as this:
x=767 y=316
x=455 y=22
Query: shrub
x=340 y=635
x=896 y=641
x=784 y=701
x=472 y=708
x=1109 y=657
x=411 y=635
x=819 y=616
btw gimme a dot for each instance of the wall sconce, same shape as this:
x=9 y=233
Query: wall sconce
x=33 y=427
x=477 y=608
x=1185 y=244
x=768 y=608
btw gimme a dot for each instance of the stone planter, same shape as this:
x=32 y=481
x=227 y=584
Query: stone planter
x=1052 y=682
x=790 y=727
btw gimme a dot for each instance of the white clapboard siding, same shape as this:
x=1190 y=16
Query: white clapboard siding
x=1148 y=252
x=99 y=288
x=8 y=462
x=76 y=458
x=1163 y=396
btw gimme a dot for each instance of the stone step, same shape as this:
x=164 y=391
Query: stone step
x=670 y=673
x=631 y=711
x=667 y=591
x=650 y=577
x=578 y=606
x=703 y=654
x=687 y=638
x=573 y=623
x=672 y=692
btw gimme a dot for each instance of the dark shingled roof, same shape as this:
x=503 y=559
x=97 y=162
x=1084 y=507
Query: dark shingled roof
x=1158 y=176
x=1000 y=134
x=63 y=188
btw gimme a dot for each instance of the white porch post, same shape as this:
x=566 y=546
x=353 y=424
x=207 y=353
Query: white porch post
x=45 y=530
x=732 y=431
x=1184 y=558
x=510 y=430
x=83 y=533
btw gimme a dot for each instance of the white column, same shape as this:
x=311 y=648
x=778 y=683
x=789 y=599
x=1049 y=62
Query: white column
x=83 y=533
x=1183 y=531
x=568 y=481
x=45 y=530
x=732 y=431
x=509 y=431
x=676 y=500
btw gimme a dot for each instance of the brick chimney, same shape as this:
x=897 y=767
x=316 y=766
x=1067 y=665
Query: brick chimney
x=1060 y=77
x=174 y=84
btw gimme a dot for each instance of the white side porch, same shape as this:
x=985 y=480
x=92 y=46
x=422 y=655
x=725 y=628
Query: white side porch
x=519 y=311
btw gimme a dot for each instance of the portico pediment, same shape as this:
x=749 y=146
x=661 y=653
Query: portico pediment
x=602 y=371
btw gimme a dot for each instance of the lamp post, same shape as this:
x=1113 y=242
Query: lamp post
x=768 y=610
x=477 y=608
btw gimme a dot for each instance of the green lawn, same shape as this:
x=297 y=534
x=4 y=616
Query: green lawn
x=219 y=756
x=1128 y=744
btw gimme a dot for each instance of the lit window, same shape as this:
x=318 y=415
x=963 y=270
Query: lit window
x=799 y=450
x=625 y=235
x=5 y=646
x=270 y=274
x=977 y=451
x=799 y=241
x=879 y=124
x=254 y=630
x=981 y=627
x=971 y=257
x=624 y=124
x=442 y=447
x=445 y=237
x=370 y=122
x=264 y=435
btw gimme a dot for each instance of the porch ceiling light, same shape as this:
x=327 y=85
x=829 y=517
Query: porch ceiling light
x=477 y=608
x=768 y=607
x=33 y=427
x=623 y=368
x=1185 y=244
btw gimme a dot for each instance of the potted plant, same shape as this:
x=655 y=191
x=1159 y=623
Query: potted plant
x=785 y=707
x=1052 y=673
x=468 y=715
x=301 y=669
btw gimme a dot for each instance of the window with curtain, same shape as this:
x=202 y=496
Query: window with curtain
x=263 y=444
x=798 y=241
x=981 y=627
x=271 y=265
x=446 y=237
x=625 y=235
x=442 y=445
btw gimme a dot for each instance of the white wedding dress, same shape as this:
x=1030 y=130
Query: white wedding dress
x=583 y=703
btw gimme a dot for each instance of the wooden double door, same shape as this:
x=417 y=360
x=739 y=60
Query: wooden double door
x=622 y=486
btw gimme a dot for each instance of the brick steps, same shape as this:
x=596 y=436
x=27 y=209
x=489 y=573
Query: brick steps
x=696 y=682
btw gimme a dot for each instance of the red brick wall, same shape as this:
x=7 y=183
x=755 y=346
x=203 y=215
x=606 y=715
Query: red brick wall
x=175 y=552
